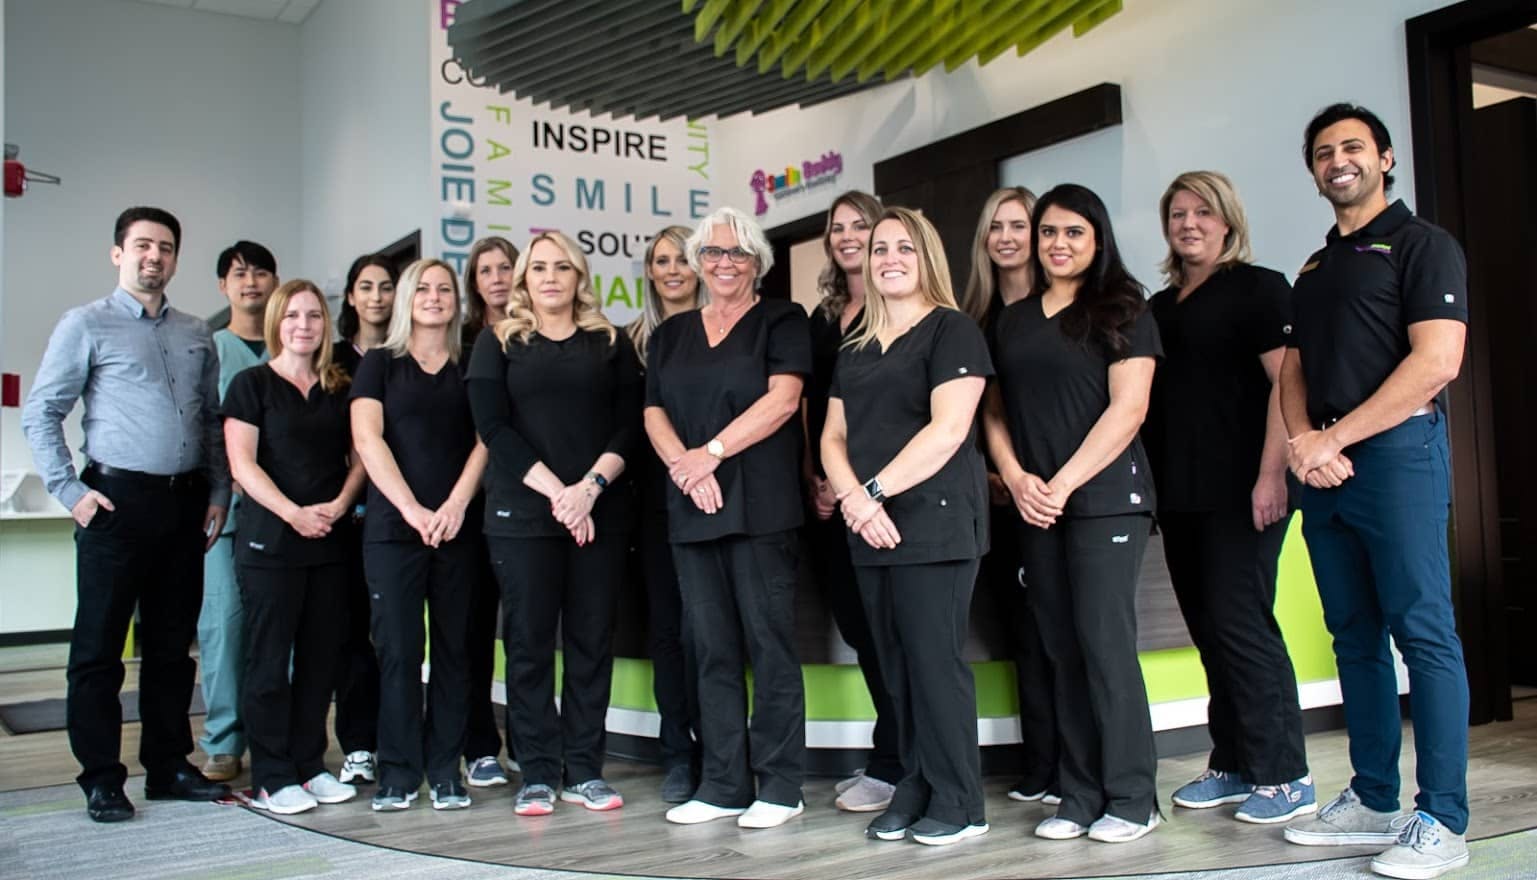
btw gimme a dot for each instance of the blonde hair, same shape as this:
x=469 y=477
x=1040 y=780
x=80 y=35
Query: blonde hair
x=1213 y=188
x=832 y=283
x=933 y=276
x=982 y=286
x=522 y=321
x=650 y=317
x=332 y=377
x=398 y=341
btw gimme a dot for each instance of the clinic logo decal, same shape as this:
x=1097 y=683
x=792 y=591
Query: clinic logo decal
x=794 y=181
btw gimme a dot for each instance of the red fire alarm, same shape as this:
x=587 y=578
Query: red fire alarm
x=17 y=176
x=10 y=389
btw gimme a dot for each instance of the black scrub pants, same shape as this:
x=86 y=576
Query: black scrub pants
x=402 y=575
x=1224 y=575
x=919 y=616
x=1000 y=573
x=147 y=553
x=1082 y=573
x=672 y=661
x=292 y=614
x=481 y=737
x=551 y=585
x=357 y=678
x=739 y=606
x=841 y=591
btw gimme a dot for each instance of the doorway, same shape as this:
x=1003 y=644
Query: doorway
x=1476 y=177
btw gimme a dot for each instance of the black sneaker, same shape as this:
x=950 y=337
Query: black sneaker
x=678 y=785
x=933 y=832
x=449 y=796
x=890 y=825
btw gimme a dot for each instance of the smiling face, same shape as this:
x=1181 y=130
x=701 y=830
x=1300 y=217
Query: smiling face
x=894 y=260
x=493 y=279
x=551 y=278
x=725 y=277
x=303 y=325
x=147 y=259
x=247 y=287
x=1008 y=236
x=1347 y=165
x=373 y=296
x=669 y=272
x=1065 y=242
x=848 y=237
x=435 y=300
x=1195 y=232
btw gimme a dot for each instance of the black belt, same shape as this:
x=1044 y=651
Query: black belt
x=1329 y=421
x=183 y=480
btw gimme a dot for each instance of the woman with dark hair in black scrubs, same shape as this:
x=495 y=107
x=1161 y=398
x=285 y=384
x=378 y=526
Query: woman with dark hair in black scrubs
x=368 y=301
x=672 y=287
x=722 y=387
x=556 y=395
x=289 y=442
x=1002 y=273
x=900 y=448
x=1218 y=449
x=487 y=286
x=412 y=426
x=1075 y=363
x=842 y=289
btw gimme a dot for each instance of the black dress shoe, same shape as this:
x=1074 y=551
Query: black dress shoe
x=107 y=803
x=186 y=785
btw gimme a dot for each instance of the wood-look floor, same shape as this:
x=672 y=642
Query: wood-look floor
x=823 y=842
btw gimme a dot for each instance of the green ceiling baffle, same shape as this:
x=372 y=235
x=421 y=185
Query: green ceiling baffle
x=665 y=58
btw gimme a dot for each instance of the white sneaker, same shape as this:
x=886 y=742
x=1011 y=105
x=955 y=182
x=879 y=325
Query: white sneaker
x=289 y=800
x=763 y=814
x=327 y=789
x=695 y=812
x=359 y=767
x=1058 y=828
x=1114 y=829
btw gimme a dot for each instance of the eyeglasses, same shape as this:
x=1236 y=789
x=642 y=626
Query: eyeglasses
x=712 y=254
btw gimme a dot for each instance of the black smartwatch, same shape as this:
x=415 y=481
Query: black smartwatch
x=598 y=480
x=874 y=491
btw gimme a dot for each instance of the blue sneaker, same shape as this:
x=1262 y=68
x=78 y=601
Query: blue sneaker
x=1270 y=804
x=1213 y=789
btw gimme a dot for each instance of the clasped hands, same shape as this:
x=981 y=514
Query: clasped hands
x=1039 y=502
x=868 y=519
x=572 y=508
x=316 y=520
x=1316 y=458
x=436 y=526
x=693 y=473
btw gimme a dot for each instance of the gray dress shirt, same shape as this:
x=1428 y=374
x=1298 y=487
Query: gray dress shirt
x=150 y=387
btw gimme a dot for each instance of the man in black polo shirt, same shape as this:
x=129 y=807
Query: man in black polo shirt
x=1380 y=317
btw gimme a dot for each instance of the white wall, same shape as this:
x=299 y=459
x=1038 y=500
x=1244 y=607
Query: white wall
x=1205 y=84
x=134 y=103
x=363 y=131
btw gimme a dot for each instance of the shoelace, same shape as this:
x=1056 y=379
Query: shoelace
x=1270 y=791
x=1334 y=806
x=1412 y=830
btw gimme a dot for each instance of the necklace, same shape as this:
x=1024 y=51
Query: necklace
x=725 y=321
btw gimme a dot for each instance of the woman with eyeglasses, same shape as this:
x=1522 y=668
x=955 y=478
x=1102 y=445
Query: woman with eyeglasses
x=723 y=385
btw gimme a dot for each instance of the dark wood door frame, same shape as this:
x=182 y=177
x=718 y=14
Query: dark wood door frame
x=1441 y=107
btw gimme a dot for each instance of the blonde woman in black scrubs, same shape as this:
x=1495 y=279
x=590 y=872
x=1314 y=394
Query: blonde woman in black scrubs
x=556 y=394
x=900 y=450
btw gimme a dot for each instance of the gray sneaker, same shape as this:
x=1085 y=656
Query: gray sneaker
x=1425 y=849
x=594 y=794
x=1345 y=821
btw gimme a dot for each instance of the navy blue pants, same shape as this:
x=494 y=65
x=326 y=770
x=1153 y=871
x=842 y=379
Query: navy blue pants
x=1378 y=544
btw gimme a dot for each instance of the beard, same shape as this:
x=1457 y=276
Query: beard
x=152 y=282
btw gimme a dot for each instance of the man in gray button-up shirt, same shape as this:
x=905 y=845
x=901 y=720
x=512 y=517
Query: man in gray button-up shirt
x=148 y=504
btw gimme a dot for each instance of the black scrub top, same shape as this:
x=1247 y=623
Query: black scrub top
x=1054 y=389
x=886 y=400
x=1355 y=299
x=1205 y=429
x=650 y=476
x=826 y=342
x=702 y=389
x=428 y=428
x=346 y=356
x=562 y=402
x=302 y=444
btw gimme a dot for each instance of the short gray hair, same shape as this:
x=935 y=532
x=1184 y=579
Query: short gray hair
x=749 y=237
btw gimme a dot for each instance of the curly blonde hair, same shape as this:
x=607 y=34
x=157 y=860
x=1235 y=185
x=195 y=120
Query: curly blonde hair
x=523 y=322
